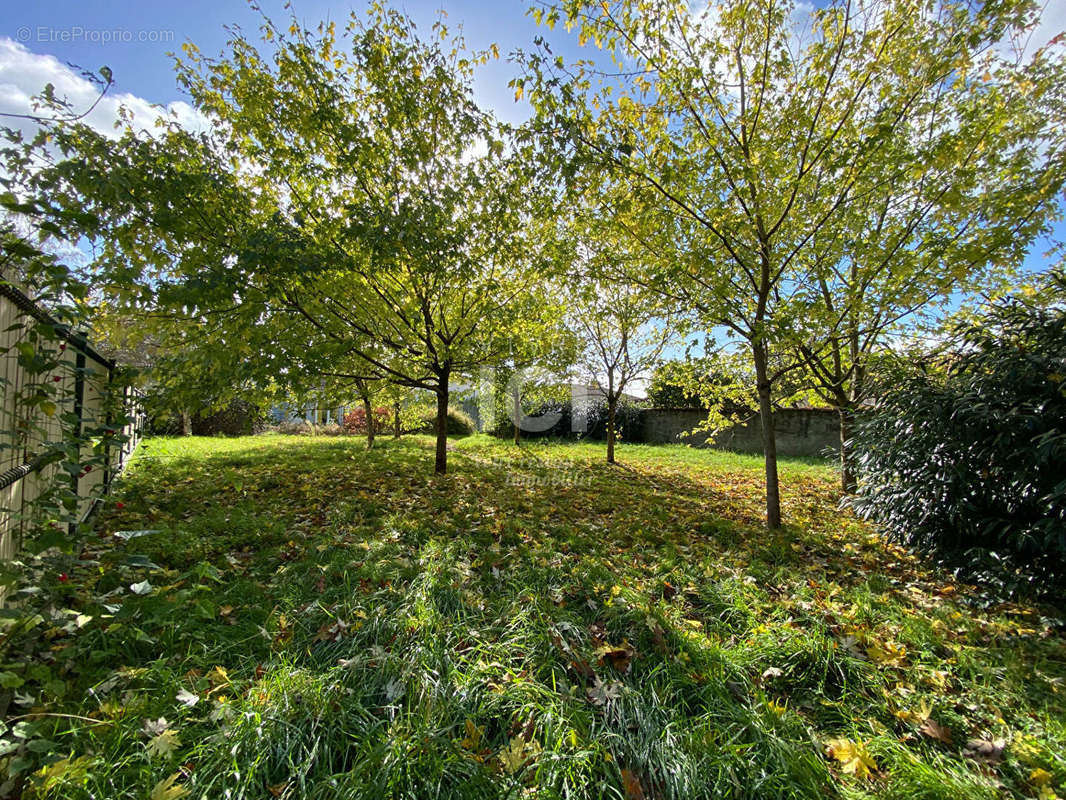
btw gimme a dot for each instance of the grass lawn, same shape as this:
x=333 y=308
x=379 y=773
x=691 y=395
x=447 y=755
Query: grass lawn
x=310 y=620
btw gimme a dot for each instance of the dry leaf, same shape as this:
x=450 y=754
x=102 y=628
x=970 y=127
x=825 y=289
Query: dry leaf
x=990 y=752
x=602 y=692
x=631 y=786
x=168 y=789
x=154 y=727
x=934 y=730
x=473 y=736
x=517 y=753
x=618 y=656
x=1041 y=779
x=886 y=654
x=218 y=677
x=854 y=758
x=164 y=744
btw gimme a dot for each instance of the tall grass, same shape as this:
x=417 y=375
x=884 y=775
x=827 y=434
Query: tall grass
x=351 y=627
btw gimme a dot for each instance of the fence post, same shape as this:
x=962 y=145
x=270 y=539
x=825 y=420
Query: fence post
x=108 y=421
x=79 y=340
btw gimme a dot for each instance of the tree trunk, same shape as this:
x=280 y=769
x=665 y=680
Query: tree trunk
x=848 y=480
x=440 y=466
x=396 y=421
x=769 y=436
x=369 y=422
x=186 y=423
x=612 y=404
x=516 y=413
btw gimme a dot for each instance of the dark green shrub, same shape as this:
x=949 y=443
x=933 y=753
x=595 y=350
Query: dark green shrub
x=459 y=423
x=627 y=422
x=967 y=459
x=237 y=418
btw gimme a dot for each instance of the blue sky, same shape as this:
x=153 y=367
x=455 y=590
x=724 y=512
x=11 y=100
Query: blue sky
x=142 y=68
x=40 y=37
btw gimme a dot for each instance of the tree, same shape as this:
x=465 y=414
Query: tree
x=356 y=205
x=723 y=380
x=622 y=329
x=186 y=367
x=735 y=146
x=953 y=208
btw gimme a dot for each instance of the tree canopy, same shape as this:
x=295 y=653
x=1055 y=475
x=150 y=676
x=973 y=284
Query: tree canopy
x=749 y=155
x=351 y=204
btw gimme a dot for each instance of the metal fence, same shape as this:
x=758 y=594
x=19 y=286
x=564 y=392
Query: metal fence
x=84 y=381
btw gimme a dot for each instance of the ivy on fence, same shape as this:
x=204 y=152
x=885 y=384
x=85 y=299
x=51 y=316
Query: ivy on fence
x=69 y=420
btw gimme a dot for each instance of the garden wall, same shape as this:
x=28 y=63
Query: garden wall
x=800 y=431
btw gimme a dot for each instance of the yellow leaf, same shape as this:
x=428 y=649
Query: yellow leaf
x=886 y=654
x=854 y=758
x=63 y=771
x=219 y=677
x=518 y=92
x=164 y=744
x=917 y=717
x=169 y=789
x=473 y=736
x=517 y=753
x=1040 y=777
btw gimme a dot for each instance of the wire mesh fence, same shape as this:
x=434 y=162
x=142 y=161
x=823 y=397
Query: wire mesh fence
x=64 y=416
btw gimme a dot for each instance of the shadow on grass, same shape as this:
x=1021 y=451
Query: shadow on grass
x=509 y=629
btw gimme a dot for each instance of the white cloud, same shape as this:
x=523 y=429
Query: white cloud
x=24 y=74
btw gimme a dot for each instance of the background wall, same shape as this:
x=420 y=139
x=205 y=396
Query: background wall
x=800 y=431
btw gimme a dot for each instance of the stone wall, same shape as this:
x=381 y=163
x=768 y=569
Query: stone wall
x=800 y=431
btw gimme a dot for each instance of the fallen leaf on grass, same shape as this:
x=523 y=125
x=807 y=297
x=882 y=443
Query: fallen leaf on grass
x=473 y=736
x=854 y=758
x=934 y=730
x=63 y=771
x=331 y=631
x=168 y=789
x=850 y=644
x=618 y=656
x=187 y=698
x=1041 y=779
x=910 y=715
x=991 y=752
x=886 y=654
x=602 y=692
x=164 y=744
x=631 y=785
x=154 y=727
x=517 y=753
x=218 y=677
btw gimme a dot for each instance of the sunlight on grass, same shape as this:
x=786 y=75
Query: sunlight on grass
x=309 y=619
